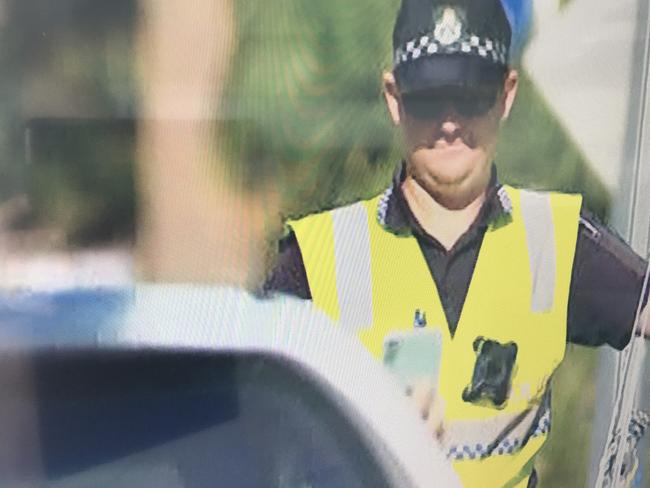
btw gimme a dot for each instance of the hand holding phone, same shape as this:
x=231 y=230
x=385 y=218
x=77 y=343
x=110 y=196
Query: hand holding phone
x=414 y=358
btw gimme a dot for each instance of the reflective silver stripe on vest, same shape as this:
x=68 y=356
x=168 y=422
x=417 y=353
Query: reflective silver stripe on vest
x=540 y=235
x=353 y=272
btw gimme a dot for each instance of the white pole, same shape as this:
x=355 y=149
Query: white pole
x=631 y=217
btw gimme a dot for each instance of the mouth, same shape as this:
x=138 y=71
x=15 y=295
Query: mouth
x=445 y=145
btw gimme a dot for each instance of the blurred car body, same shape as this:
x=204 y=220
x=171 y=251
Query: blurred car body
x=189 y=386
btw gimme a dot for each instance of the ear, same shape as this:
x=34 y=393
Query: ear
x=391 y=97
x=510 y=92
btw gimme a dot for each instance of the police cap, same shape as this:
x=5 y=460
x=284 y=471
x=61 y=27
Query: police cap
x=455 y=43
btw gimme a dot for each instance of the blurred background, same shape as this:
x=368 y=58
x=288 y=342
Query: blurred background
x=297 y=124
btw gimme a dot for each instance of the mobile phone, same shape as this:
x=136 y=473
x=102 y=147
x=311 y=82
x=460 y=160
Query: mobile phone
x=414 y=356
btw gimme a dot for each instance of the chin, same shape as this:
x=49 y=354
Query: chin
x=452 y=171
x=453 y=179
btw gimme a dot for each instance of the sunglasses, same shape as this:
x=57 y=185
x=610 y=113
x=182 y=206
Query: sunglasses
x=434 y=104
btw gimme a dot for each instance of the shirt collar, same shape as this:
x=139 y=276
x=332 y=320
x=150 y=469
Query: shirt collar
x=395 y=215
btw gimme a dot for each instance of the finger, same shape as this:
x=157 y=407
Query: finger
x=422 y=397
x=435 y=417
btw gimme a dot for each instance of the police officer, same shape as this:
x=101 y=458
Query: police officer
x=506 y=276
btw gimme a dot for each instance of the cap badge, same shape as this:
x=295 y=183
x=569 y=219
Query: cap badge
x=449 y=26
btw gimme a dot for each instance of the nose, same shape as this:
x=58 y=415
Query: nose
x=450 y=127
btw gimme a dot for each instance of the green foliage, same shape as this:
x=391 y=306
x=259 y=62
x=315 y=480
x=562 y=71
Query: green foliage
x=81 y=179
x=537 y=152
x=307 y=83
x=564 y=460
x=60 y=61
x=303 y=108
x=306 y=97
x=564 y=3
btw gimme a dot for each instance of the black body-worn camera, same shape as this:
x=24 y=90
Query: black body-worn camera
x=492 y=372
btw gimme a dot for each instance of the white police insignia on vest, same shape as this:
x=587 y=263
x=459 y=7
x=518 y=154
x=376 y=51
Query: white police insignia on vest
x=448 y=25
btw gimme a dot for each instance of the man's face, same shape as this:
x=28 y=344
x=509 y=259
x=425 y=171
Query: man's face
x=450 y=136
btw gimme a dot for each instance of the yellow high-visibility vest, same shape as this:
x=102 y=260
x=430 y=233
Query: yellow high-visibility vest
x=374 y=282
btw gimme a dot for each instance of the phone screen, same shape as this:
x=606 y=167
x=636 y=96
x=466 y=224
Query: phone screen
x=414 y=356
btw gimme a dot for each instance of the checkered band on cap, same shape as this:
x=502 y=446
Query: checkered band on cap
x=427 y=45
